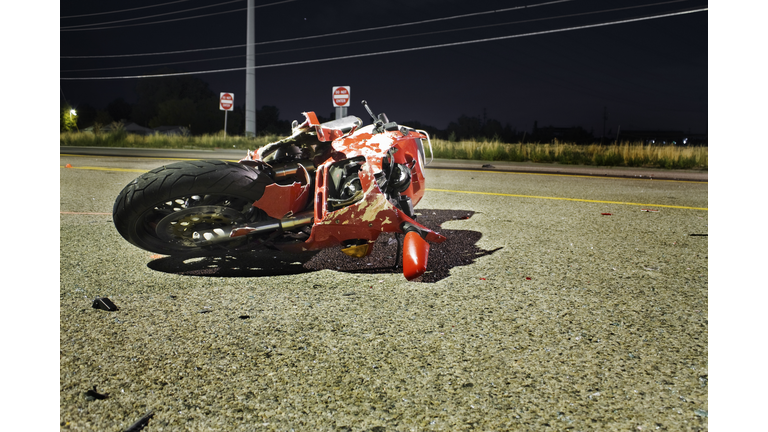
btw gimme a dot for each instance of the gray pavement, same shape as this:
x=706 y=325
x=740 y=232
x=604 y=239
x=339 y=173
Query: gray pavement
x=557 y=303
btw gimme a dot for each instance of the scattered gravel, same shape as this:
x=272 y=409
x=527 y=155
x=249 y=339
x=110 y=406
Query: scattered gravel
x=534 y=315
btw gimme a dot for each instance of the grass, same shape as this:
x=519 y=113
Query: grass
x=620 y=154
x=122 y=139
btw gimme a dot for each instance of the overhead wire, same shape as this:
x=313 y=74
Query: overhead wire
x=451 y=44
x=376 y=40
x=345 y=32
x=151 y=16
x=335 y=33
x=69 y=29
x=123 y=10
x=155 y=64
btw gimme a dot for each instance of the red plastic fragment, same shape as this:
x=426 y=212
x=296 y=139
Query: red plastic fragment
x=606 y=214
x=527 y=278
x=415 y=252
x=482 y=278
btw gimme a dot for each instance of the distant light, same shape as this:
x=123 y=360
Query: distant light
x=72 y=112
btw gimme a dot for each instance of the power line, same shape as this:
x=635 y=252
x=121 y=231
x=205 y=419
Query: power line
x=626 y=21
x=154 y=22
x=348 y=32
x=122 y=10
x=150 y=16
x=333 y=34
x=377 y=39
x=155 y=64
x=68 y=29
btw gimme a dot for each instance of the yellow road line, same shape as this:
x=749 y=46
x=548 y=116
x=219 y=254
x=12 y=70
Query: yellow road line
x=86 y=213
x=436 y=169
x=568 y=175
x=141 y=157
x=471 y=192
x=569 y=199
x=107 y=169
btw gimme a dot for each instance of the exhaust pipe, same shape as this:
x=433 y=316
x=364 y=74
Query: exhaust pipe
x=220 y=235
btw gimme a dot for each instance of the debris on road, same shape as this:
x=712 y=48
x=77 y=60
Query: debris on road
x=141 y=423
x=94 y=394
x=104 y=303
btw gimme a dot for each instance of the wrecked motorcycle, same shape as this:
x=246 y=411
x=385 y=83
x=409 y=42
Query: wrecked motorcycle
x=326 y=185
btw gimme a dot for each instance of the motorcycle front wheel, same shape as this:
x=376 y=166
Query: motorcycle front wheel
x=159 y=211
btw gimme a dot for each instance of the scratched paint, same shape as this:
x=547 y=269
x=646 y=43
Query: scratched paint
x=373 y=214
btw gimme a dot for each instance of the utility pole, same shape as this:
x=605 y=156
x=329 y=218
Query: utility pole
x=250 y=74
x=605 y=118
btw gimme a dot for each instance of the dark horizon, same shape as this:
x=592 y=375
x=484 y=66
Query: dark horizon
x=642 y=75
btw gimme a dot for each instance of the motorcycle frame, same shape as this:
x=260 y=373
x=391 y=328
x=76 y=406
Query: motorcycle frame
x=363 y=220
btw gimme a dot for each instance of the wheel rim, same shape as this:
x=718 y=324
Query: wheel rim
x=181 y=217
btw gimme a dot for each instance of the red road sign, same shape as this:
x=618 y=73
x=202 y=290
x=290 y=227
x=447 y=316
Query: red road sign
x=341 y=96
x=227 y=102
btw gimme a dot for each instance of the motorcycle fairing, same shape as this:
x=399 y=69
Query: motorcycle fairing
x=280 y=201
x=365 y=219
x=375 y=147
x=358 y=223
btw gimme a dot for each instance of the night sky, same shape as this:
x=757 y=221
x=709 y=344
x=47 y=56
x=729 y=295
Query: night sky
x=642 y=75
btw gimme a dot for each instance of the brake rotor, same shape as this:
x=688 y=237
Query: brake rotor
x=179 y=226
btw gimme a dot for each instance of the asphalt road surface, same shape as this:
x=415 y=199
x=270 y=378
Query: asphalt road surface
x=558 y=302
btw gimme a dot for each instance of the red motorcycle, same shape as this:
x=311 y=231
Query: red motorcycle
x=327 y=184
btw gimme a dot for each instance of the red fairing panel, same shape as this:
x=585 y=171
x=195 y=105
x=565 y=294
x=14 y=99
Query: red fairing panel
x=375 y=147
x=281 y=201
x=365 y=219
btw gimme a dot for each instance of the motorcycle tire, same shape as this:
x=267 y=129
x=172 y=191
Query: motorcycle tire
x=160 y=210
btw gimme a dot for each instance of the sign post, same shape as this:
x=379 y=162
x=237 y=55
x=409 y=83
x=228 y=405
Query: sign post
x=226 y=103
x=341 y=100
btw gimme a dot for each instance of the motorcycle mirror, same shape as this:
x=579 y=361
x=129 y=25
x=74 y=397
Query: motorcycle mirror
x=365 y=104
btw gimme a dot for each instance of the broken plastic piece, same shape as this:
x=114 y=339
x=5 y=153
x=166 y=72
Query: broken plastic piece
x=93 y=394
x=649 y=210
x=415 y=253
x=104 y=303
x=606 y=214
x=141 y=423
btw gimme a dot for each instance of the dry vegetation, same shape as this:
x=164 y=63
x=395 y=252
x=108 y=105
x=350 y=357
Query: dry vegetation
x=621 y=154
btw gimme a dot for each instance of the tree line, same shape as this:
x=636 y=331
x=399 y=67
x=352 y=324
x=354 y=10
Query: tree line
x=177 y=101
x=188 y=101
